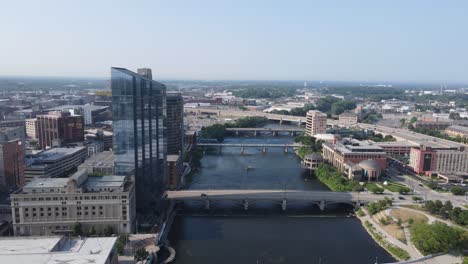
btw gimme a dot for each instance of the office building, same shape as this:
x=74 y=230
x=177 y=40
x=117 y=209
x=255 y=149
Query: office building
x=12 y=156
x=351 y=150
x=431 y=159
x=11 y=164
x=12 y=123
x=55 y=162
x=145 y=72
x=58 y=128
x=348 y=118
x=58 y=249
x=316 y=123
x=139 y=110
x=100 y=135
x=91 y=113
x=47 y=206
x=175 y=170
x=31 y=128
x=175 y=123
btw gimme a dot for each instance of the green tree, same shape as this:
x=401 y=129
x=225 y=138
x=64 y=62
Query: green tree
x=457 y=190
x=77 y=229
x=92 y=231
x=108 y=231
x=438 y=237
x=413 y=120
x=216 y=131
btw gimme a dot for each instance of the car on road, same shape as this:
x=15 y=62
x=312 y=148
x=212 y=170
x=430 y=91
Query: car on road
x=401 y=198
x=420 y=184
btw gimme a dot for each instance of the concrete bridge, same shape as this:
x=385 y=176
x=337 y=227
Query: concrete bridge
x=274 y=131
x=281 y=197
x=237 y=113
x=242 y=146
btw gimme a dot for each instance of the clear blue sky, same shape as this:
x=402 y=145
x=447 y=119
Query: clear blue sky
x=395 y=40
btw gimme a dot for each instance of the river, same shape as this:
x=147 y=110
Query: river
x=265 y=234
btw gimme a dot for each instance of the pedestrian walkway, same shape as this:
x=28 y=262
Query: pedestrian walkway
x=414 y=254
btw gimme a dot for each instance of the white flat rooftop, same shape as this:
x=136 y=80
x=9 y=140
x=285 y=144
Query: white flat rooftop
x=54 y=250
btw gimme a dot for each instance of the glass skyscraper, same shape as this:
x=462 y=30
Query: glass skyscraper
x=139 y=110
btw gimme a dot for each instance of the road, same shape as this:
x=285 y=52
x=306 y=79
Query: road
x=423 y=191
x=276 y=195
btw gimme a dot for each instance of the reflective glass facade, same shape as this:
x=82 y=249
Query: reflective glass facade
x=139 y=110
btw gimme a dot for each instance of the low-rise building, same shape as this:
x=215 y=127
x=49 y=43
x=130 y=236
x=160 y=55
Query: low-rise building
x=348 y=119
x=55 y=162
x=353 y=150
x=435 y=125
x=58 y=249
x=312 y=161
x=47 y=206
x=457 y=131
x=396 y=148
x=101 y=163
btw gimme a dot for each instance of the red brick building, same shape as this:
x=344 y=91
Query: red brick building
x=11 y=164
x=59 y=127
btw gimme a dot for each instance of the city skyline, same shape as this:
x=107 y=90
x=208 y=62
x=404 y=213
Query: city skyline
x=374 y=41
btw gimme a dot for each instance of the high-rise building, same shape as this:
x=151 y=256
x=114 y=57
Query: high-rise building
x=57 y=128
x=31 y=128
x=139 y=110
x=145 y=72
x=175 y=123
x=12 y=156
x=316 y=123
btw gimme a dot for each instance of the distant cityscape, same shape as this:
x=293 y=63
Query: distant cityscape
x=113 y=158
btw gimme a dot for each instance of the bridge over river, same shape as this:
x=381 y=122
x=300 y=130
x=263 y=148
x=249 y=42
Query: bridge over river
x=242 y=146
x=282 y=197
x=273 y=131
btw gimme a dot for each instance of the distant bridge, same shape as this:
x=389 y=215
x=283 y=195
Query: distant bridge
x=236 y=113
x=242 y=146
x=274 y=131
x=281 y=197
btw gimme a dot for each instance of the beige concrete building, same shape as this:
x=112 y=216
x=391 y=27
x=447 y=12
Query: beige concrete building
x=312 y=161
x=348 y=119
x=49 y=206
x=316 y=123
x=455 y=131
x=31 y=128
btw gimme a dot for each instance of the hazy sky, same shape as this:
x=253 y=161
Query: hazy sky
x=405 y=40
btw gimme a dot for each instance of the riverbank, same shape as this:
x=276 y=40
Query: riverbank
x=383 y=239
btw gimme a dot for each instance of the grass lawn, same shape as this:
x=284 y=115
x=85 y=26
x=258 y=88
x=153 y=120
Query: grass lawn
x=405 y=215
x=371 y=186
x=393 y=186
x=392 y=228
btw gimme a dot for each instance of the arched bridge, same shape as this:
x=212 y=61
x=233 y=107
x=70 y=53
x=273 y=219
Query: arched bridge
x=283 y=197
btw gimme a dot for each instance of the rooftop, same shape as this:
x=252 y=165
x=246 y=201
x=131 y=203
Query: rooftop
x=105 y=158
x=87 y=106
x=55 y=249
x=55 y=154
x=82 y=180
x=461 y=129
